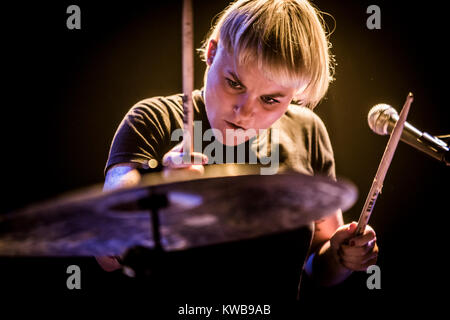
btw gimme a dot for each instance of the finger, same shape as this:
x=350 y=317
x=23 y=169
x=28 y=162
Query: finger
x=355 y=251
x=178 y=159
x=177 y=148
x=199 y=158
x=370 y=263
x=350 y=265
x=195 y=170
x=358 y=253
x=174 y=160
x=362 y=240
x=342 y=234
x=362 y=260
x=361 y=267
x=358 y=266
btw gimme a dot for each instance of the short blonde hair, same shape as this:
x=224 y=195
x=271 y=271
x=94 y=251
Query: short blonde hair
x=287 y=38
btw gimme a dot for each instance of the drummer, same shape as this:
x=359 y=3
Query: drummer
x=268 y=64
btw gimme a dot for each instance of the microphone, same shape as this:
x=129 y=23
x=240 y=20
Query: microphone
x=382 y=119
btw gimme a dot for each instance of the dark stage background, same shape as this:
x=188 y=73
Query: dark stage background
x=65 y=92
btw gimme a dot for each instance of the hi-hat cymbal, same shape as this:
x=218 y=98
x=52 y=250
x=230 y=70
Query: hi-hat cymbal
x=227 y=203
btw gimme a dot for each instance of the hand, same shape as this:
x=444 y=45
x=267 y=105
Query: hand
x=175 y=167
x=355 y=253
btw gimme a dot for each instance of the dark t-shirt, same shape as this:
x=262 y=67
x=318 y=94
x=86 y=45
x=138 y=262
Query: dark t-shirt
x=268 y=267
x=146 y=133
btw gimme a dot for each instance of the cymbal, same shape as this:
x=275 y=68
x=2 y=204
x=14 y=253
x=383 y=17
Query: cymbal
x=227 y=203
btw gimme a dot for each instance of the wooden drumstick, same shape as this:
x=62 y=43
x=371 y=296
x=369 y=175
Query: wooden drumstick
x=383 y=167
x=188 y=79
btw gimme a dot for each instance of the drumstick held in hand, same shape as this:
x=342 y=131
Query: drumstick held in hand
x=188 y=79
x=383 y=167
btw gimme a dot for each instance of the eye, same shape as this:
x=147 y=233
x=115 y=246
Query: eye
x=233 y=84
x=269 y=100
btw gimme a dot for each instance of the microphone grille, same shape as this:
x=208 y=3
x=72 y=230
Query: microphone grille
x=379 y=116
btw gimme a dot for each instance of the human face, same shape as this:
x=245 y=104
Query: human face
x=239 y=98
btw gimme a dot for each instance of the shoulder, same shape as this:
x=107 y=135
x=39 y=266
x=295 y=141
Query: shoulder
x=161 y=113
x=165 y=107
x=159 y=105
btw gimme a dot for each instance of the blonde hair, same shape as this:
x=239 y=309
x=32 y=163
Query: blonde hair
x=287 y=38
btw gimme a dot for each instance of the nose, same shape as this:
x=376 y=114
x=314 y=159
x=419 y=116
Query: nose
x=243 y=109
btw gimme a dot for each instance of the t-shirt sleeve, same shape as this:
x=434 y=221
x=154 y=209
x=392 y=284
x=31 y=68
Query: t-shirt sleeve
x=143 y=135
x=322 y=154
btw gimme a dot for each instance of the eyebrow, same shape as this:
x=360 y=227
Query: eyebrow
x=236 y=78
x=274 y=95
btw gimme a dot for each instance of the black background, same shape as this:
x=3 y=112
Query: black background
x=65 y=92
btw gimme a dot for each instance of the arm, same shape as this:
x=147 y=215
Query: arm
x=322 y=264
x=125 y=175
x=333 y=257
x=121 y=175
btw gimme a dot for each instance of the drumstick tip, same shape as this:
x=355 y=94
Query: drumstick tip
x=409 y=99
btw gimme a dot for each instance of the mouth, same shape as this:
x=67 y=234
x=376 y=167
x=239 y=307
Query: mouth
x=233 y=126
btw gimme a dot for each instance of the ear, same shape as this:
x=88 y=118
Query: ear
x=211 y=53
